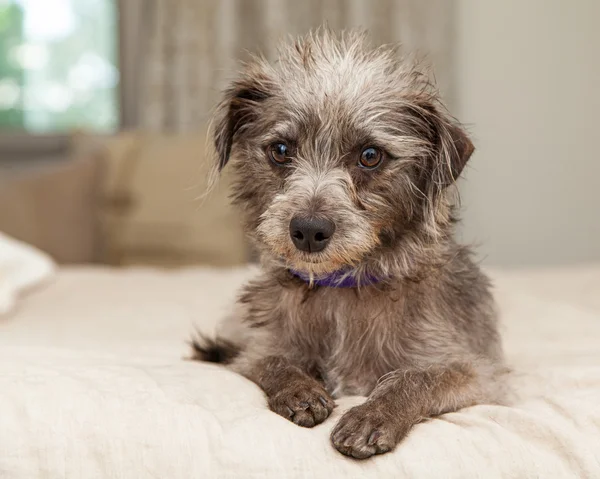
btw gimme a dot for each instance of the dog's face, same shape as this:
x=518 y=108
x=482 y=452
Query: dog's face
x=340 y=151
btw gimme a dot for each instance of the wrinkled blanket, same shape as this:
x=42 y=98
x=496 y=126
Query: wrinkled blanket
x=93 y=385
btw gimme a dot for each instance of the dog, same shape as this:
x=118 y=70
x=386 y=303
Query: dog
x=345 y=161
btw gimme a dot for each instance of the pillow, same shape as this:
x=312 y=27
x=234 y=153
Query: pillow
x=22 y=267
x=154 y=212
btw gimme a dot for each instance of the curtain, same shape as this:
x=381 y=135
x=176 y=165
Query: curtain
x=190 y=48
x=134 y=17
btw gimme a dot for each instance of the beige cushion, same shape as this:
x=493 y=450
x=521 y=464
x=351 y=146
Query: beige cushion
x=54 y=208
x=153 y=213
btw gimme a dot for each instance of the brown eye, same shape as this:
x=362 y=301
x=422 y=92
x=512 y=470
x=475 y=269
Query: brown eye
x=370 y=158
x=279 y=154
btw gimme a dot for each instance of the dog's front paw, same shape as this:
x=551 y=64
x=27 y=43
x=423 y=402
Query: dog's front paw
x=305 y=404
x=366 y=430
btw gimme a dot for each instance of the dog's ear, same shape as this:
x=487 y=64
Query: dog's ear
x=237 y=110
x=454 y=150
x=450 y=146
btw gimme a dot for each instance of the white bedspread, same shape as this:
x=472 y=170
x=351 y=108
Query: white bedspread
x=93 y=385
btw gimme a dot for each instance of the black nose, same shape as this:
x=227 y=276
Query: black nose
x=311 y=234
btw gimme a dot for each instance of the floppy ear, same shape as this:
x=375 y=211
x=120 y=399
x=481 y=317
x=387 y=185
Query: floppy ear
x=451 y=147
x=455 y=149
x=237 y=110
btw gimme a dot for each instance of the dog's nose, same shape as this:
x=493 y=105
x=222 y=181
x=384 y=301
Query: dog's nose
x=311 y=234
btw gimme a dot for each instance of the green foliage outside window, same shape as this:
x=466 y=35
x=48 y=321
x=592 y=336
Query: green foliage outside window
x=58 y=65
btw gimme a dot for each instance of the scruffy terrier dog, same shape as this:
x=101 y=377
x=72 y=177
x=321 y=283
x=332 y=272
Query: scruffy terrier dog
x=344 y=158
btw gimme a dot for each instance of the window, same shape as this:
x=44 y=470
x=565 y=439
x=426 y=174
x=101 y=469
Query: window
x=58 y=65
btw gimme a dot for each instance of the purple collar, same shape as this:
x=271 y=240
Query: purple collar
x=338 y=279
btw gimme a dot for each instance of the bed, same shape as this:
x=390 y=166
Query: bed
x=94 y=384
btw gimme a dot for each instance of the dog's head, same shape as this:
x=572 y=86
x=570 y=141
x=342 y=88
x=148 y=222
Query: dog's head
x=341 y=152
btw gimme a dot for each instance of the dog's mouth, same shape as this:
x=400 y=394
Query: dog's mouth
x=315 y=263
x=307 y=263
x=332 y=259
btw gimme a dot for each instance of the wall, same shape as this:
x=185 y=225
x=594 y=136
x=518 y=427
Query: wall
x=528 y=85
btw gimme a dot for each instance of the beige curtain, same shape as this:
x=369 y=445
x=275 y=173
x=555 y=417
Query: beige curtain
x=191 y=47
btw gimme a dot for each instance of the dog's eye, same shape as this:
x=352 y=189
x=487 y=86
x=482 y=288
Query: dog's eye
x=370 y=158
x=279 y=153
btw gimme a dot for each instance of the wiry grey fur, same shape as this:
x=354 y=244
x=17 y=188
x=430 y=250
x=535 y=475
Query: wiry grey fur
x=421 y=342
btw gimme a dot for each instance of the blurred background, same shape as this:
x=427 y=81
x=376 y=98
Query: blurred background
x=104 y=106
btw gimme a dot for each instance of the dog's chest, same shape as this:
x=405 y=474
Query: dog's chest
x=353 y=338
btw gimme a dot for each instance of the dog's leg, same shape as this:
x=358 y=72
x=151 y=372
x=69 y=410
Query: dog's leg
x=405 y=397
x=290 y=391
